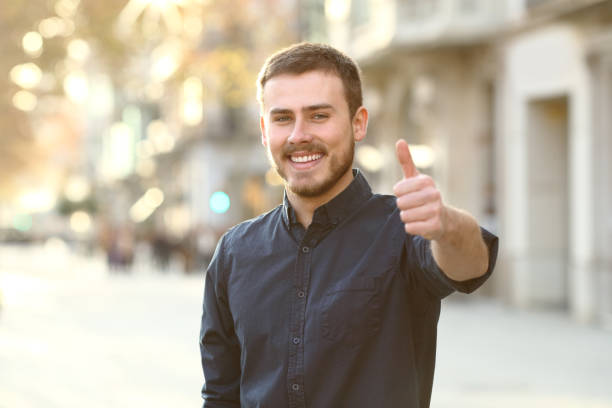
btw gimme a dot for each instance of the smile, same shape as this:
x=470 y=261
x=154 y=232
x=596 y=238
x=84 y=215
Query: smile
x=298 y=158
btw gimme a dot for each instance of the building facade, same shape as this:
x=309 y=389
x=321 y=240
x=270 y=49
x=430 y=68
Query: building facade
x=507 y=106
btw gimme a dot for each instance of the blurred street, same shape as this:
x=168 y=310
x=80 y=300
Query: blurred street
x=72 y=335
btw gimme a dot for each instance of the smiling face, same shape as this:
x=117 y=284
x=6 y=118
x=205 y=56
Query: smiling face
x=308 y=132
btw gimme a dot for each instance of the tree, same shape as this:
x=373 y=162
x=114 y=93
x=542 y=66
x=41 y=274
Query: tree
x=224 y=41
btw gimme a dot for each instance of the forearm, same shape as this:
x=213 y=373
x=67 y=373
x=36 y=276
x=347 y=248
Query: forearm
x=460 y=251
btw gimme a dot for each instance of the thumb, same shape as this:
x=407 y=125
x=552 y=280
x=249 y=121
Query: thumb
x=405 y=159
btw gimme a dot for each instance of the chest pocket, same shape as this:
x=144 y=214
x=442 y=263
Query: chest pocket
x=351 y=311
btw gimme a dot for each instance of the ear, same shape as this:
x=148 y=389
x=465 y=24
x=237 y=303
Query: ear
x=360 y=124
x=262 y=128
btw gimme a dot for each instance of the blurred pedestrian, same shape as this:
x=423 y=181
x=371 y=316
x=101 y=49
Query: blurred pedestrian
x=121 y=249
x=162 y=250
x=332 y=299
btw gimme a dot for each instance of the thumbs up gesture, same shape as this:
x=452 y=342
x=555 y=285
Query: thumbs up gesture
x=418 y=199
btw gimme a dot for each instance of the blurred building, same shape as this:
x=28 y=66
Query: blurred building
x=181 y=160
x=507 y=105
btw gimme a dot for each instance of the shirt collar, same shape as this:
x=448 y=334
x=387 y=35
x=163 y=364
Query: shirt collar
x=338 y=208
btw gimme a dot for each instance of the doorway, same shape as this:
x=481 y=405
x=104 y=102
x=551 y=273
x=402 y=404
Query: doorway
x=548 y=201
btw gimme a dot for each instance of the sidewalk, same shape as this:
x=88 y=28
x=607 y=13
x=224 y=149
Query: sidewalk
x=492 y=356
x=72 y=335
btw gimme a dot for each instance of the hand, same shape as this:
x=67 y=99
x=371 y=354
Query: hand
x=418 y=199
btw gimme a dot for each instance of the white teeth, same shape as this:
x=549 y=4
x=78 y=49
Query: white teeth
x=304 y=159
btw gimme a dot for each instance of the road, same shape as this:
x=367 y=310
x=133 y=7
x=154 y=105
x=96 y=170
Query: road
x=73 y=335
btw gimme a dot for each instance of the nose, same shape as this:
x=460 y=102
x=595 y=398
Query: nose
x=300 y=133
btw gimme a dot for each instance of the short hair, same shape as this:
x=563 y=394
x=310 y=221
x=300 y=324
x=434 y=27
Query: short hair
x=305 y=57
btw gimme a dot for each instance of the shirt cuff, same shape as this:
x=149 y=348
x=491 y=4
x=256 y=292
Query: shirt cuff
x=470 y=285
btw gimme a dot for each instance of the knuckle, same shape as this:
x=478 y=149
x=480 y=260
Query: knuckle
x=426 y=180
x=433 y=194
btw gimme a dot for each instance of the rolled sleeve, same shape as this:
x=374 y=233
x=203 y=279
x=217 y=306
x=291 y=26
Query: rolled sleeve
x=435 y=280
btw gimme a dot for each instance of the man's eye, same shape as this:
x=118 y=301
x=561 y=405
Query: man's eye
x=320 y=116
x=281 y=118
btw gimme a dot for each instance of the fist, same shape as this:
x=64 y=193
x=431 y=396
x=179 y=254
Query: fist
x=418 y=199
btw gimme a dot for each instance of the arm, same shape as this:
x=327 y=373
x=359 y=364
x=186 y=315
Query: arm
x=460 y=251
x=457 y=244
x=219 y=347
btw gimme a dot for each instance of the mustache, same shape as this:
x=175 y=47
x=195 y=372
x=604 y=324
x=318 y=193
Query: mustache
x=310 y=147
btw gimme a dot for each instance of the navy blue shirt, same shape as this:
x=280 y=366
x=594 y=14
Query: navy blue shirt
x=342 y=314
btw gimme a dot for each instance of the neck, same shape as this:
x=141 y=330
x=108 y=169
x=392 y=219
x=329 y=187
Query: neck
x=305 y=207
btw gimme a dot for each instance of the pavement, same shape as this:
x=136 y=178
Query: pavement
x=493 y=356
x=74 y=335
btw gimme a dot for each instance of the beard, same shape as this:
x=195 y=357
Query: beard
x=337 y=167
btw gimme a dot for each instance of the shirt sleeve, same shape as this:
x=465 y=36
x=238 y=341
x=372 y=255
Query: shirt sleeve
x=420 y=266
x=219 y=347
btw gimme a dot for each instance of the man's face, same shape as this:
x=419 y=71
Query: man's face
x=308 y=132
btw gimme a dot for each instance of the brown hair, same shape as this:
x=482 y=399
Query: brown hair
x=304 y=57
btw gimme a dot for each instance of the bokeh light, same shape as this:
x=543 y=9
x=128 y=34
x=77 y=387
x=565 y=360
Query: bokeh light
x=26 y=75
x=146 y=205
x=25 y=101
x=422 y=155
x=66 y=8
x=32 y=43
x=22 y=222
x=166 y=59
x=337 y=10
x=78 y=49
x=55 y=26
x=80 y=222
x=370 y=158
x=77 y=188
x=219 y=202
x=192 y=109
x=153 y=197
x=35 y=201
x=76 y=86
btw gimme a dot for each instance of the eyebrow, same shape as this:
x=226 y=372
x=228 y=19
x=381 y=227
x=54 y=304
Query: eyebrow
x=284 y=111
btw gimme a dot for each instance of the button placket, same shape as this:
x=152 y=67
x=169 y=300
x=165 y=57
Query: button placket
x=295 y=372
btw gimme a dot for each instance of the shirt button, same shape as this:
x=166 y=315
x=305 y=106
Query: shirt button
x=305 y=249
x=295 y=387
x=296 y=340
x=301 y=294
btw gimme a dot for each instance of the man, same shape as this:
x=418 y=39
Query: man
x=332 y=298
